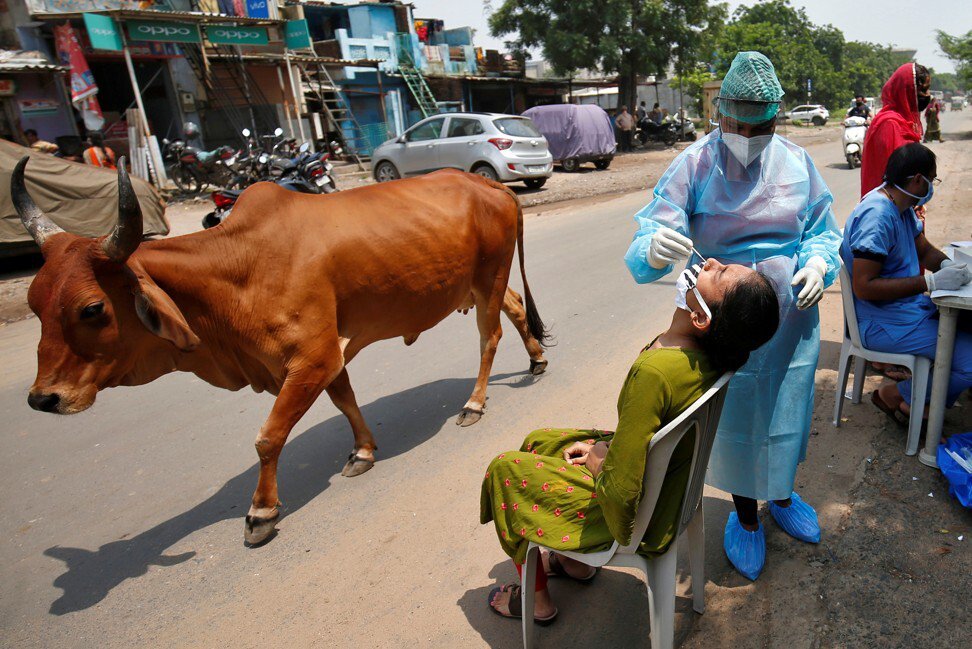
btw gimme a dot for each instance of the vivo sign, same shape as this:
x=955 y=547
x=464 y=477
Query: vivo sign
x=156 y=30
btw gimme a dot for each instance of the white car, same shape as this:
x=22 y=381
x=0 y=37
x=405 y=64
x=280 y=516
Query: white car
x=507 y=148
x=813 y=113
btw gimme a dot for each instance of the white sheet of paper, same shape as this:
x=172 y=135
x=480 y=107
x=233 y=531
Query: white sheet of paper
x=961 y=244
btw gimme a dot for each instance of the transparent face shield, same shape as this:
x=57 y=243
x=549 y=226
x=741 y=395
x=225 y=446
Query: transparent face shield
x=750 y=112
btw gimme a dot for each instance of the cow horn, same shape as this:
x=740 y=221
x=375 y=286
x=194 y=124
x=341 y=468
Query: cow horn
x=38 y=224
x=126 y=236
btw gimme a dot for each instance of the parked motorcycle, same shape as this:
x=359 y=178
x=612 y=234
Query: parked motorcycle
x=191 y=168
x=287 y=175
x=648 y=131
x=853 y=140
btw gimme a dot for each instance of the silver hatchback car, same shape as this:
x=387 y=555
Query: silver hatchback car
x=501 y=147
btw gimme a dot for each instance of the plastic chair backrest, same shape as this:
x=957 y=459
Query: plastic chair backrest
x=702 y=417
x=851 y=330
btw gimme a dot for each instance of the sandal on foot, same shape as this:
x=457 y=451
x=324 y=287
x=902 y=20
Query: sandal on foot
x=557 y=570
x=894 y=414
x=515 y=605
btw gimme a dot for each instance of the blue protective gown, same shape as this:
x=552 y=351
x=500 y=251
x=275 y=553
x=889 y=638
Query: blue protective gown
x=772 y=216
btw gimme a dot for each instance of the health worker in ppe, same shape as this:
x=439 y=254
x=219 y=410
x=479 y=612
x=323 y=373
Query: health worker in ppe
x=747 y=196
x=884 y=248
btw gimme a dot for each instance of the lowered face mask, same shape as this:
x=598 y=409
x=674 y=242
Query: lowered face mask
x=686 y=282
x=746 y=149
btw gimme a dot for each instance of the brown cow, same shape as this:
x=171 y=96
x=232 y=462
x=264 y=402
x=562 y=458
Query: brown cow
x=280 y=297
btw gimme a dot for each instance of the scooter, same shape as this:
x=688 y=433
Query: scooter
x=853 y=140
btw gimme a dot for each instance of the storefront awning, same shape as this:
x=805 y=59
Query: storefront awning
x=22 y=62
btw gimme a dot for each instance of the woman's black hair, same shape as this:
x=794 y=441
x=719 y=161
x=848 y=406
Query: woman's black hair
x=909 y=160
x=745 y=319
x=921 y=74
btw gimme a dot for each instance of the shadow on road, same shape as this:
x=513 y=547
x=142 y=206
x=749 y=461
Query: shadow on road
x=416 y=415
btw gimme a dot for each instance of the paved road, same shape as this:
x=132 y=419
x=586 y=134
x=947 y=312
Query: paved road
x=122 y=525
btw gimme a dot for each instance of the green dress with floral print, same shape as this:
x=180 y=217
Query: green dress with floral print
x=535 y=495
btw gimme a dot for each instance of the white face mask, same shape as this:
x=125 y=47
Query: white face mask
x=746 y=149
x=686 y=281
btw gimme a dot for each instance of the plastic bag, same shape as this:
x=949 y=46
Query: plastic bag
x=959 y=480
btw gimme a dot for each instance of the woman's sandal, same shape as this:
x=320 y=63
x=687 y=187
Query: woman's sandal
x=894 y=414
x=557 y=570
x=515 y=605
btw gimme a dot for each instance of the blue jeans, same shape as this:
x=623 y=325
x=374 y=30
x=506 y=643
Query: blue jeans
x=921 y=341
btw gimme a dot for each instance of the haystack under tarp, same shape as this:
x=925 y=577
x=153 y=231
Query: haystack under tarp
x=80 y=198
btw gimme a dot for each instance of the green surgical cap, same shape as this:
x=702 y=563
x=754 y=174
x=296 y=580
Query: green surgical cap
x=751 y=92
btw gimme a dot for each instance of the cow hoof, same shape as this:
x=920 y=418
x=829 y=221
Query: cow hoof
x=356 y=466
x=468 y=417
x=538 y=367
x=257 y=531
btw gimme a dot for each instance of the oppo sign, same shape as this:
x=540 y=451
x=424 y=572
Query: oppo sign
x=238 y=35
x=156 y=30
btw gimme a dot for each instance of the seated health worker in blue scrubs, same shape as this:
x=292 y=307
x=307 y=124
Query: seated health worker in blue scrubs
x=884 y=248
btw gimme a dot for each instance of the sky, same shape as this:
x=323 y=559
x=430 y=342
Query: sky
x=901 y=23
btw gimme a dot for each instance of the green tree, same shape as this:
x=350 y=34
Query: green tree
x=692 y=80
x=945 y=81
x=958 y=49
x=624 y=37
x=801 y=50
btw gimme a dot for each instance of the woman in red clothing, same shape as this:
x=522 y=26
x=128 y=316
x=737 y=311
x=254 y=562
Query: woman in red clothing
x=904 y=97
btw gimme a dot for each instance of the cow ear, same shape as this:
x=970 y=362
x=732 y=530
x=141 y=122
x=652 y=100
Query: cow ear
x=162 y=317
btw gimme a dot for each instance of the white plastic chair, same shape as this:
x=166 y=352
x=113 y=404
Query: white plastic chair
x=703 y=418
x=852 y=347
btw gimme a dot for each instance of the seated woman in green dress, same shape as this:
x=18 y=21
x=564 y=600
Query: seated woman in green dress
x=579 y=490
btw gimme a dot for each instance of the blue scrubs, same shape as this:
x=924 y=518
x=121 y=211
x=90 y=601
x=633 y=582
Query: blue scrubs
x=773 y=215
x=876 y=230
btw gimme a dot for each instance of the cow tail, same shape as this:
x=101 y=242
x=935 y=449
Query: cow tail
x=537 y=329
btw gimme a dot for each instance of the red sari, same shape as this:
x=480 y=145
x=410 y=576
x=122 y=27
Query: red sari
x=897 y=123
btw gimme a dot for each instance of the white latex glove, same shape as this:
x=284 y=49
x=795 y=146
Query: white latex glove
x=948 y=278
x=947 y=262
x=668 y=247
x=812 y=278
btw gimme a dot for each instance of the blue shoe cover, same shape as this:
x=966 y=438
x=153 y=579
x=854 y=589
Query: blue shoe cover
x=746 y=550
x=799 y=520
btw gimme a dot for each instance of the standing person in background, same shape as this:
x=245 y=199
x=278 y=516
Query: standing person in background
x=38 y=144
x=934 y=130
x=744 y=195
x=625 y=123
x=905 y=95
x=97 y=153
x=642 y=111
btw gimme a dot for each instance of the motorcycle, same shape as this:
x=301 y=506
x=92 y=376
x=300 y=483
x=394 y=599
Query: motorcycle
x=853 y=140
x=191 y=168
x=288 y=177
x=650 y=131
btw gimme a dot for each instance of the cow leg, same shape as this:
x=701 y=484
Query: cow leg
x=490 y=332
x=513 y=308
x=296 y=396
x=363 y=456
